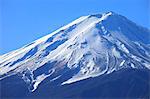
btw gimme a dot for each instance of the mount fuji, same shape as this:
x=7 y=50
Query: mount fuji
x=91 y=57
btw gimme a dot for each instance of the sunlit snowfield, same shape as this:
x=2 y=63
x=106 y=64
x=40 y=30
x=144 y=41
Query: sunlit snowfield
x=96 y=56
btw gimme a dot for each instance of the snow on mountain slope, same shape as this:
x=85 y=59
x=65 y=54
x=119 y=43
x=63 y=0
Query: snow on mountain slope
x=91 y=46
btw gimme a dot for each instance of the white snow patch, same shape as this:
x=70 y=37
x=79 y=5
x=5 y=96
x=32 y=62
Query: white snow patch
x=38 y=80
x=116 y=53
x=121 y=64
x=104 y=30
x=124 y=48
x=55 y=78
x=132 y=65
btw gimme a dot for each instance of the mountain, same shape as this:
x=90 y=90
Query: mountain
x=99 y=47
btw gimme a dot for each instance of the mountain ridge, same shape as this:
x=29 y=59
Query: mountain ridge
x=87 y=47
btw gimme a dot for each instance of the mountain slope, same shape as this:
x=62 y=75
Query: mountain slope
x=90 y=46
x=122 y=84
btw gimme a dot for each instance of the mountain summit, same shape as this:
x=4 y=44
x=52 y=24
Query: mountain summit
x=90 y=46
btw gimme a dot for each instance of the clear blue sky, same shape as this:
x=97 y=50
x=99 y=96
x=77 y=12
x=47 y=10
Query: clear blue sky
x=23 y=21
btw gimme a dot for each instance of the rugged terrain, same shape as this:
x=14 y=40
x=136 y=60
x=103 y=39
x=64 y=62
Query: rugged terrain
x=93 y=56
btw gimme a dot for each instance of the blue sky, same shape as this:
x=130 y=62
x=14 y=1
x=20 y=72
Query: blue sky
x=23 y=21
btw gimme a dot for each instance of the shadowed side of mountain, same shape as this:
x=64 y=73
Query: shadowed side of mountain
x=126 y=83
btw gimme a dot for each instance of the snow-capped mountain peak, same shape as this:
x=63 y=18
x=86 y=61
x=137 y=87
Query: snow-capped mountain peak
x=90 y=46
